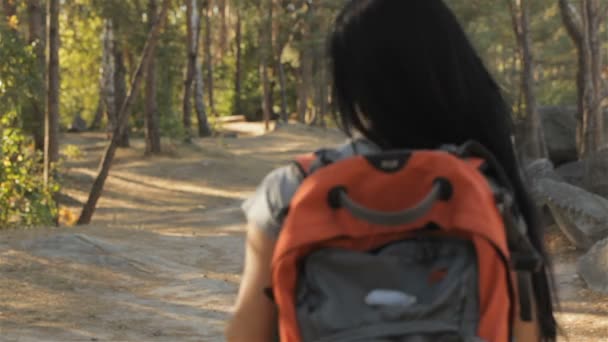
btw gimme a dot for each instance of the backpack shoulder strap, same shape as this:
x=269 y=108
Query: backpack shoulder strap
x=310 y=162
x=304 y=163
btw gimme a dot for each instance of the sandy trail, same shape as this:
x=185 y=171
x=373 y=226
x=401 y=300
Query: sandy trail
x=161 y=260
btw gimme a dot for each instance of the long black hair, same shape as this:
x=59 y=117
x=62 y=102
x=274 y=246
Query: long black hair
x=405 y=75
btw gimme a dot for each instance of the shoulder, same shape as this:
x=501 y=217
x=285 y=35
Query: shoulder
x=266 y=208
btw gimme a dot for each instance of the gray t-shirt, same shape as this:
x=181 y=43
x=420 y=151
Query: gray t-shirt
x=265 y=207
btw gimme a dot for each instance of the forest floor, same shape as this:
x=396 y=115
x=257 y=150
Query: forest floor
x=161 y=260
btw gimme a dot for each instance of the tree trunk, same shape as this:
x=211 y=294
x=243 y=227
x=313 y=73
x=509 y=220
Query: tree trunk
x=89 y=208
x=223 y=43
x=51 y=122
x=96 y=123
x=283 y=89
x=266 y=55
x=191 y=36
x=150 y=106
x=199 y=84
x=306 y=69
x=585 y=36
x=595 y=49
x=237 y=75
x=108 y=70
x=120 y=88
x=209 y=56
x=36 y=37
x=534 y=146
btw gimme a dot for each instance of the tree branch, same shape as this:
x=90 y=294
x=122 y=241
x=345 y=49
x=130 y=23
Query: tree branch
x=573 y=27
x=515 y=19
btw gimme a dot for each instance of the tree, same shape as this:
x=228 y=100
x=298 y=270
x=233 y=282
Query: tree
x=208 y=55
x=89 y=208
x=151 y=114
x=534 y=145
x=239 y=63
x=199 y=84
x=120 y=85
x=266 y=43
x=193 y=23
x=36 y=38
x=583 y=26
x=51 y=122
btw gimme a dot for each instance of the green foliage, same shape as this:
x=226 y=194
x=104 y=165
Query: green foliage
x=72 y=152
x=80 y=61
x=24 y=199
x=20 y=74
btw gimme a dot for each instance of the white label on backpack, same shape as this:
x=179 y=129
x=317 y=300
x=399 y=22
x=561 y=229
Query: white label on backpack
x=381 y=297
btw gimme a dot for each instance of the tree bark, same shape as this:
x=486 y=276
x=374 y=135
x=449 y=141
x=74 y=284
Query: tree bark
x=151 y=119
x=108 y=70
x=237 y=75
x=36 y=37
x=266 y=55
x=204 y=130
x=223 y=41
x=283 y=90
x=120 y=87
x=51 y=122
x=534 y=146
x=584 y=33
x=96 y=123
x=209 y=56
x=89 y=208
x=191 y=36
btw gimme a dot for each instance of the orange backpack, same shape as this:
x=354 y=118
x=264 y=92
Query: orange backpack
x=403 y=246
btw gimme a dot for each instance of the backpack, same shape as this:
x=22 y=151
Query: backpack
x=408 y=245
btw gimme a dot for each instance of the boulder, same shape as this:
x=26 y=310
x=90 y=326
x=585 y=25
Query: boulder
x=581 y=215
x=572 y=172
x=559 y=124
x=537 y=170
x=593 y=267
x=597 y=167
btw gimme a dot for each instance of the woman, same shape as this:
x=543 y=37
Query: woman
x=405 y=76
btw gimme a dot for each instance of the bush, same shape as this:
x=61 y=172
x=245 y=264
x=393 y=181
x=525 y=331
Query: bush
x=24 y=199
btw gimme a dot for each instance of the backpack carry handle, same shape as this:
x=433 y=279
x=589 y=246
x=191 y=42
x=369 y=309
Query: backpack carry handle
x=442 y=191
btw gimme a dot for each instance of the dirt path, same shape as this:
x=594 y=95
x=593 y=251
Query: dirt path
x=161 y=260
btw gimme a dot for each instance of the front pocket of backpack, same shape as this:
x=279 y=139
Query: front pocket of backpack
x=413 y=290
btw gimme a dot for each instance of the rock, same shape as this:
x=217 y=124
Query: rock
x=572 y=173
x=541 y=168
x=582 y=216
x=597 y=166
x=78 y=125
x=593 y=267
x=559 y=124
x=537 y=170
